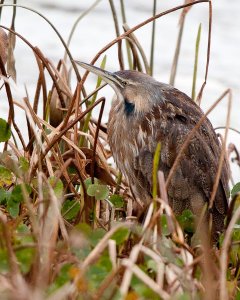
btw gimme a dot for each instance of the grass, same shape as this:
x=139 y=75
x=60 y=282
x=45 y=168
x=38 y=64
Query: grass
x=67 y=228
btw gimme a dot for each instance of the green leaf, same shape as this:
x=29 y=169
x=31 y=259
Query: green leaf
x=184 y=296
x=4 y=196
x=144 y=291
x=235 y=189
x=24 y=164
x=23 y=235
x=164 y=225
x=237 y=295
x=117 y=201
x=13 y=208
x=70 y=209
x=4 y=265
x=96 y=236
x=22 y=229
x=18 y=192
x=25 y=258
x=6 y=177
x=120 y=235
x=5 y=131
x=84 y=228
x=88 y=182
x=186 y=220
x=72 y=170
x=235 y=248
x=151 y=264
x=61 y=279
x=57 y=186
x=99 y=191
x=98 y=272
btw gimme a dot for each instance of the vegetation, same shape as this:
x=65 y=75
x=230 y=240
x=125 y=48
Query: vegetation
x=67 y=229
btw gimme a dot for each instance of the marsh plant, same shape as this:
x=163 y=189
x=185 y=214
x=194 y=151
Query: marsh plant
x=67 y=223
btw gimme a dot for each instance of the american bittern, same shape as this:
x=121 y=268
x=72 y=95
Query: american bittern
x=146 y=112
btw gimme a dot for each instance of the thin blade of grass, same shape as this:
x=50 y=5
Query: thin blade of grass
x=58 y=34
x=85 y=13
x=128 y=48
x=177 y=53
x=153 y=37
x=11 y=69
x=196 y=62
x=105 y=48
x=133 y=37
x=155 y=170
x=199 y=97
x=115 y=19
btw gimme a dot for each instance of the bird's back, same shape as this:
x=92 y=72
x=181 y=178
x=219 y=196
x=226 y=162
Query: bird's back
x=133 y=140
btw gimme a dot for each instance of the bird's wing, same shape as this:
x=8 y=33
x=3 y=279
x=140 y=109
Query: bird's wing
x=170 y=123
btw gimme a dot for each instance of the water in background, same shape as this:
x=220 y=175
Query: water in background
x=97 y=29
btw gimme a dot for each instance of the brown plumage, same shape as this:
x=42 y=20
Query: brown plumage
x=146 y=112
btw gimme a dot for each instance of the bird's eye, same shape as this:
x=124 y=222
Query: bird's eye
x=128 y=107
x=124 y=83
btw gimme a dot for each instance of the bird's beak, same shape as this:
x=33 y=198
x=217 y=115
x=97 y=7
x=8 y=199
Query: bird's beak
x=114 y=81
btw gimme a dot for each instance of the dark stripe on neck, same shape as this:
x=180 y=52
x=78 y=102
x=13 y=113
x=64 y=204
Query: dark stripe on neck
x=128 y=107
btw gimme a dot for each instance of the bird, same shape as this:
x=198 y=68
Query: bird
x=146 y=112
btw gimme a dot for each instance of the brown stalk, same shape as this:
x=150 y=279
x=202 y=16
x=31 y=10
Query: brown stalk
x=58 y=34
x=96 y=138
x=224 y=255
x=63 y=169
x=13 y=263
x=47 y=239
x=75 y=98
x=44 y=60
x=64 y=81
x=58 y=158
x=199 y=97
x=134 y=41
x=35 y=118
x=222 y=155
x=120 y=56
x=177 y=53
x=41 y=83
x=136 y=61
x=164 y=197
x=91 y=94
x=79 y=216
x=230 y=128
x=107 y=281
x=63 y=131
x=139 y=26
x=115 y=19
x=77 y=113
x=11 y=116
x=62 y=172
x=53 y=77
x=179 y=41
x=99 y=248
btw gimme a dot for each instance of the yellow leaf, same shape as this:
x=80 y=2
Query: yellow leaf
x=132 y=296
x=80 y=281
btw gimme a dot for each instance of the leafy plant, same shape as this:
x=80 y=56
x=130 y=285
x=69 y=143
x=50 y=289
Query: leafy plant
x=62 y=234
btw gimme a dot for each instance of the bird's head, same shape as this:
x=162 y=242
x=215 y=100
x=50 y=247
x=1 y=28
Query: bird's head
x=138 y=91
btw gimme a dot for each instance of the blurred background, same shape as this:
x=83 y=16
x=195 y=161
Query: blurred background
x=97 y=29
